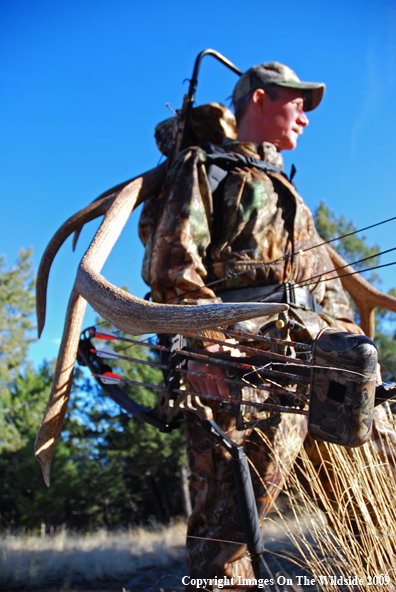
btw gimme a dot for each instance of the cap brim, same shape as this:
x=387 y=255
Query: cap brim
x=317 y=90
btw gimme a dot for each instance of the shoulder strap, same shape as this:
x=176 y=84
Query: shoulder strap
x=219 y=163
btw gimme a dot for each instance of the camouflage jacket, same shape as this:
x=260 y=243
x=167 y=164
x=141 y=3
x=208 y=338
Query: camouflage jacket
x=193 y=237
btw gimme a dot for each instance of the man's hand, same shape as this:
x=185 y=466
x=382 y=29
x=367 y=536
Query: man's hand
x=208 y=386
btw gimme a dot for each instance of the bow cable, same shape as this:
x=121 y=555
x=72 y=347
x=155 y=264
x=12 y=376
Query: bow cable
x=253 y=265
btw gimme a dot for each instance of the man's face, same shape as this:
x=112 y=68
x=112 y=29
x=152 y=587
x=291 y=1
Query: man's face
x=283 y=119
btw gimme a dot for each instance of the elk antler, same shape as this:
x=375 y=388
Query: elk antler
x=124 y=311
x=366 y=297
x=110 y=193
x=51 y=425
x=74 y=224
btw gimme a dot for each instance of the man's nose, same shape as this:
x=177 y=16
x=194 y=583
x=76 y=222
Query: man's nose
x=303 y=119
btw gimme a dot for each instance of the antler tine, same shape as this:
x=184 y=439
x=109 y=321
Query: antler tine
x=366 y=297
x=109 y=193
x=137 y=317
x=75 y=222
x=51 y=425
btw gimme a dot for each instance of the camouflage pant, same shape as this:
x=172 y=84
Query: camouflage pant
x=215 y=543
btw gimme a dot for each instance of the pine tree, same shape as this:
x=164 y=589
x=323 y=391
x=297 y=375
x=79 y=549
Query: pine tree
x=16 y=308
x=108 y=468
x=353 y=248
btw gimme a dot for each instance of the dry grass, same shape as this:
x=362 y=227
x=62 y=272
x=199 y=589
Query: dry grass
x=27 y=560
x=353 y=534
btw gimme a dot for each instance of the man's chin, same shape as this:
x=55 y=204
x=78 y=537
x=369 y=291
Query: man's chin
x=287 y=142
x=292 y=141
x=288 y=146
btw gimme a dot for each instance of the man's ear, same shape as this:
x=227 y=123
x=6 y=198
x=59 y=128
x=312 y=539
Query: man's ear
x=259 y=99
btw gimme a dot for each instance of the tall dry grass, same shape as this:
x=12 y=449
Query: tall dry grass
x=346 y=524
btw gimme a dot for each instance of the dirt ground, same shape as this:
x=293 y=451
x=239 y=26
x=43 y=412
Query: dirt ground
x=151 y=579
x=160 y=579
x=162 y=575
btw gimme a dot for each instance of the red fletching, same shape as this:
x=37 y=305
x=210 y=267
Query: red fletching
x=106 y=336
x=109 y=378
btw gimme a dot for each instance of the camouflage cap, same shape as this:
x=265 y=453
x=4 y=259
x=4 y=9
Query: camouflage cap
x=274 y=73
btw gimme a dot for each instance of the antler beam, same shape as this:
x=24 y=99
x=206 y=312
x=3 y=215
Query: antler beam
x=124 y=311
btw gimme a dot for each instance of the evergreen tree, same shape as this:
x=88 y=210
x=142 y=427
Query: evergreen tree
x=108 y=468
x=140 y=466
x=353 y=248
x=16 y=308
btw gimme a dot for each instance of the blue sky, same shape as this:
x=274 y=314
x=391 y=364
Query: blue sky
x=84 y=84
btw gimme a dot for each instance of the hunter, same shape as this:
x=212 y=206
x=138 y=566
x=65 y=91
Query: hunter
x=246 y=225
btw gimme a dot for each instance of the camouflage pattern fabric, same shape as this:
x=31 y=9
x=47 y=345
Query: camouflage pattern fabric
x=193 y=237
x=212 y=122
x=343 y=380
x=215 y=543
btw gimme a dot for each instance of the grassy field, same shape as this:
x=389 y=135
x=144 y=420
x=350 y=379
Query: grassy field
x=345 y=528
x=142 y=559
x=32 y=561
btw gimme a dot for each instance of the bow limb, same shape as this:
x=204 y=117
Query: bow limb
x=365 y=296
x=51 y=425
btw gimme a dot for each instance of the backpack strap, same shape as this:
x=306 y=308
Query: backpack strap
x=219 y=163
